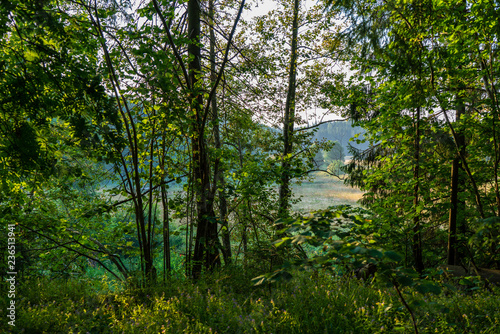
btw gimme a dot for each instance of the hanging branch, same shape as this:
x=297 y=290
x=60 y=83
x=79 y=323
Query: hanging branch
x=72 y=250
x=221 y=70
x=166 y=26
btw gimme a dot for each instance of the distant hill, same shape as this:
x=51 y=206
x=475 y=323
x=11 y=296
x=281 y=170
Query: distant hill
x=342 y=132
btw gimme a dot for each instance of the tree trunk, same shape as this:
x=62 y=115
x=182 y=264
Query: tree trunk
x=417 y=234
x=206 y=252
x=456 y=187
x=166 y=233
x=218 y=175
x=289 y=120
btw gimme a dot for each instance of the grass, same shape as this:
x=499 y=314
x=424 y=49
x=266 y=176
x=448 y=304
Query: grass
x=227 y=303
x=324 y=191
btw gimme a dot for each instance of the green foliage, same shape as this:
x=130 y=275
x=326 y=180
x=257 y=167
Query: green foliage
x=227 y=303
x=343 y=235
x=50 y=92
x=424 y=96
x=335 y=167
x=485 y=242
x=345 y=246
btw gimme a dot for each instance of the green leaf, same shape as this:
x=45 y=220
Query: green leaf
x=259 y=280
x=375 y=253
x=405 y=280
x=428 y=287
x=281 y=242
x=393 y=256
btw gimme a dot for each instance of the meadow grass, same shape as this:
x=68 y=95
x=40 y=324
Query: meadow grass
x=226 y=302
x=324 y=191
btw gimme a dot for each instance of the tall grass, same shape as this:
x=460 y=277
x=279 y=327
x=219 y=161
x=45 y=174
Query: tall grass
x=227 y=303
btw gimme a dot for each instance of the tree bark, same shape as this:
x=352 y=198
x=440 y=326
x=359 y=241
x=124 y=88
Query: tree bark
x=456 y=187
x=206 y=252
x=166 y=233
x=289 y=120
x=218 y=173
x=417 y=234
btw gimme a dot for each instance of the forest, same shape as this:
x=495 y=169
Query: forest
x=222 y=166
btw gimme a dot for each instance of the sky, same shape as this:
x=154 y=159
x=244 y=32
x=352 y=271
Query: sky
x=262 y=7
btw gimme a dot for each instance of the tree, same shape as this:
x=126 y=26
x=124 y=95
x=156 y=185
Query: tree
x=412 y=66
x=52 y=100
x=289 y=117
x=304 y=70
x=147 y=95
x=336 y=153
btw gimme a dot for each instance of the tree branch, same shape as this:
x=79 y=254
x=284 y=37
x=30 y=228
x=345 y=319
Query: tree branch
x=320 y=123
x=72 y=249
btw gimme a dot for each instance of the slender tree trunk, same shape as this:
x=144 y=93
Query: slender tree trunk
x=133 y=178
x=167 y=267
x=219 y=176
x=417 y=234
x=205 y=248
x=289 y=120
x=246 y=214
x=456 y=187
x=190 y=200
x=151 y=273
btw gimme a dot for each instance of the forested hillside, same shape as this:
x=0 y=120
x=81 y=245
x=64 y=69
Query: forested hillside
x=154 y=156
x=345 y=133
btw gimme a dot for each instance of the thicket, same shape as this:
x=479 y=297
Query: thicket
x=156 y=145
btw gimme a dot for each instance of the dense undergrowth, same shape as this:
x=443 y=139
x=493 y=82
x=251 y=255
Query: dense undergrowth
x=226 y=302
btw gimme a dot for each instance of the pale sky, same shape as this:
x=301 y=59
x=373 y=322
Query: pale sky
x=262 y=7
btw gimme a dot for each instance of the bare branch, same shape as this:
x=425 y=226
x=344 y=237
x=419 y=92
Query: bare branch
x=72 y=250
x=320 y=123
